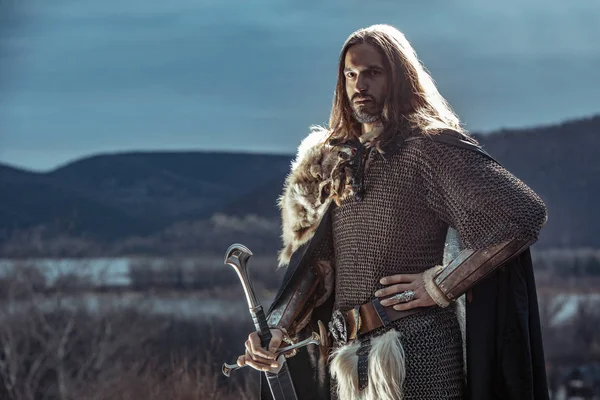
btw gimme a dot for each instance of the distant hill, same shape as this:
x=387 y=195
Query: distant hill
x=167 y=187
x=118 y=195
x=182 y=200
x=32 y=199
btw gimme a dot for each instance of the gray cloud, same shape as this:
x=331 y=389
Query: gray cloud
x=88 y=76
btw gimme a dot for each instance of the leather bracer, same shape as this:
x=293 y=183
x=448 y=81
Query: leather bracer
x=473 y=265
x=295 y=307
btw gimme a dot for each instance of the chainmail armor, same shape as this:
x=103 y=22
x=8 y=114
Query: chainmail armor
x=411 y=198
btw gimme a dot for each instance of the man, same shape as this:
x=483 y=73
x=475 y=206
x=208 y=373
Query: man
x=369 y=204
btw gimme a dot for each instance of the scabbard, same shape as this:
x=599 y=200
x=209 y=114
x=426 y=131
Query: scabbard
x=280 y=384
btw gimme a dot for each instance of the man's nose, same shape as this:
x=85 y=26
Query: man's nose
x=361 y=83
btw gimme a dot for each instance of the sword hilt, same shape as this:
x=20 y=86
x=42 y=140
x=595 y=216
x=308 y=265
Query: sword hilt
x=262 y=328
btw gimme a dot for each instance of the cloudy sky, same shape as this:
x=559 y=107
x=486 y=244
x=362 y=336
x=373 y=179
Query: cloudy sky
x=79 y=77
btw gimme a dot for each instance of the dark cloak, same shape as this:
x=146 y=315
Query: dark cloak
x=505 y=357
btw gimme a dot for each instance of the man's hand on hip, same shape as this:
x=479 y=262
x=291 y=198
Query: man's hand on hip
x=402 y=283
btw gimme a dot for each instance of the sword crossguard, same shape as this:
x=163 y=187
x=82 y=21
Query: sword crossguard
x=314 y=338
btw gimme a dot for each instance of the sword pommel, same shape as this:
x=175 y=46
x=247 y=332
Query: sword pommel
x=237 y=256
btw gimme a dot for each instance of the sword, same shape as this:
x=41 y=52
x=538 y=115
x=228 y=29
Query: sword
x=280 y=383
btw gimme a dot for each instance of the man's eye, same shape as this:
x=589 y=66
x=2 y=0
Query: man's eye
x=349 y=74
x=374 y=72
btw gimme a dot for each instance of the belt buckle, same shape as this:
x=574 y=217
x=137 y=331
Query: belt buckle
x=338 y=328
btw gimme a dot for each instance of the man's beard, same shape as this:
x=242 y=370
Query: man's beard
x=366 y=114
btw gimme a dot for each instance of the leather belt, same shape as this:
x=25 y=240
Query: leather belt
x=372 y=315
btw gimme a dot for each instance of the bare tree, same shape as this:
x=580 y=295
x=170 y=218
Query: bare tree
x=51 y=346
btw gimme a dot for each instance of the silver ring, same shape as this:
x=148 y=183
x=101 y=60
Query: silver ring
x=404 y=297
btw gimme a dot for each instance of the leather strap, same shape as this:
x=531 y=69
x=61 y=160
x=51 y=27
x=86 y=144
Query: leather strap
x=369 y=319
x=363 y=363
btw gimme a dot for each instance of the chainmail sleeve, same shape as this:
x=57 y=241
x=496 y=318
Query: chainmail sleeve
x=484 y=202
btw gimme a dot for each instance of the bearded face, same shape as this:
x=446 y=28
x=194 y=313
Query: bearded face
x=366 y=82
x=366 y=109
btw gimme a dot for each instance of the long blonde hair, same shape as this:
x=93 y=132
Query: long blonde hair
x=413 y=103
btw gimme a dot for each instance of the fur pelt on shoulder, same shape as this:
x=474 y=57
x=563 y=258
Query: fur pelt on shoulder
x=318 y=176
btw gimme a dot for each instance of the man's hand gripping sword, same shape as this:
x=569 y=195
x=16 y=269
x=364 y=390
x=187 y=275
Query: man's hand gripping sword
x=237 y=256
x=313 y=339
